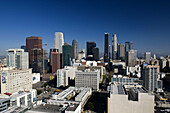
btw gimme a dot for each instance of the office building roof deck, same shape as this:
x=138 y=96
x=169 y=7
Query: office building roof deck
x=72 y=107
x=65 y=93
x=88 y=71
x=21 y=93
x=49 y=108
x=83 y=93
x=15 y=109
x=118 y=89
x=4 y=99
x=139 y=89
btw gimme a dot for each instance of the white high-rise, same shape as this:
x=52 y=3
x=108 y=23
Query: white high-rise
x=58 y=41
x=114 y=47
x=147 y=57
x=88 y=78
x=17 y=58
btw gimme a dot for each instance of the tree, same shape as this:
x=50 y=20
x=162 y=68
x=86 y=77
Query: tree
x=90 y=106
x=45 y=84
x=39 y=91
x=49 y=89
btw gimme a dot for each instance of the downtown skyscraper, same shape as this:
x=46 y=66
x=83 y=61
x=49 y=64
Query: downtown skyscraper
x=114 y=47
x=131 y=58
x=67 y=55
x=33 y=42
x=106 y=47
x=58 y=41
x=121 y=52
x=75 y=49
x=17 y=58
x=147 y=57
x=128 y=47
x=90 y=46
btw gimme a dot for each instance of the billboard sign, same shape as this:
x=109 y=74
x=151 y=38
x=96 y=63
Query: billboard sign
x=3 y=77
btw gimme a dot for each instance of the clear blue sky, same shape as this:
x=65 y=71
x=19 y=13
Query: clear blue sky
x=145 y=23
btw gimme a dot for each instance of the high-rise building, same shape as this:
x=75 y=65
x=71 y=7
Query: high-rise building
x=90 y=46
x=81 y=54
x=121 y=52
x=150 y=78
x=67 y=55
x=106 y=47
x=55 y=61
x=147 y=57
x=131 y=56
x=114 y=47
x=51 y=50
x=65 y=75
x=128 y=47
x=131 y=46
x=15 y=80
x=17 y=58
x=75 y=49
x=23 y=47
x=4 y=103
x=62 y=78
x=58 y=41
x=31 y=43
x=95 y=53
x=37 y=60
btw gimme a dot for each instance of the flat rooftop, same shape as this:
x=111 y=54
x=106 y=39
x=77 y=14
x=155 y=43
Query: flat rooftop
x=72 y=107
x=117 y=89
x=66 y=92
x=15 y=109
x=83 y=93
x=48 y=108
x=139 y=89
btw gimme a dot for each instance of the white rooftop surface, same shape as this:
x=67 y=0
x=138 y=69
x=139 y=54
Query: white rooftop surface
x=83 y=93
x=65 y=93
x=13 y=97
x=88 y=71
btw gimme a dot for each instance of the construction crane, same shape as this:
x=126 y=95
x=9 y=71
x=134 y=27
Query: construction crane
x=43 y=55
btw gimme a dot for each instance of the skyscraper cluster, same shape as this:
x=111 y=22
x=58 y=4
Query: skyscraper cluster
x=70 y=66
x=92 y=51
x=119 y=51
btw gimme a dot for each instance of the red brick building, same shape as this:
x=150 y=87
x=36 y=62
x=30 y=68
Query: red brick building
x=55 y=61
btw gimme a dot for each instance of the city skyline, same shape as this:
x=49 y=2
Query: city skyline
x=142 y=23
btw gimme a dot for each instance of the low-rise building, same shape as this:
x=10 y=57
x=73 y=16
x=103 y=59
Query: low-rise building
x=23 y=98
x=16 y=109
x=51 y=108
x=134 y=71
x=35 y=77
x=4 y=102
x=71 y=95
